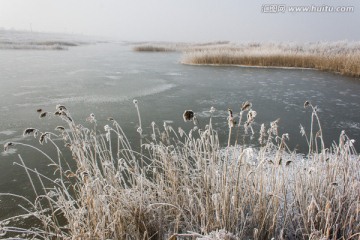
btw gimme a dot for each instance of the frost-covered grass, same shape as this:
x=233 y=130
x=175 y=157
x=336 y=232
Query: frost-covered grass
x=338 y=57
x=185 y=185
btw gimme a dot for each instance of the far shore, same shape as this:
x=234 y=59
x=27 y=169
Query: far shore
x=336 y=57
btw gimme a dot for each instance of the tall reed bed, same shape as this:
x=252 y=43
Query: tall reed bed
x=183 y=185
x=338 y=57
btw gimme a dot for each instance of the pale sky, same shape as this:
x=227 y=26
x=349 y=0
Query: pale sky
x=183 y=20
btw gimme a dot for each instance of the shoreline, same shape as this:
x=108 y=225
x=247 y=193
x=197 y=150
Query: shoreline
x=269 y=67
x=249 y=66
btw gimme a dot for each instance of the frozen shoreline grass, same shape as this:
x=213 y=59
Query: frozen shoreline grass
x=183 y=185
x=337 y=57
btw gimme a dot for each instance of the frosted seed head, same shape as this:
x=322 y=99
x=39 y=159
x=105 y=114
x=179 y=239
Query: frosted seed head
x=246 y=106
x=43 y=137
x=135 y=101
x=302 y=130
x=91 y=118
x=139 y=130
x=285 y=136
x=306 y=104
x=8 y=145
x=107 y=128
x=60 y=128
x=251 y=116
x=43 y=114
x=188 y=115
x=212 y=110
x=29 y=131
x=60 y=107
x=231 y=122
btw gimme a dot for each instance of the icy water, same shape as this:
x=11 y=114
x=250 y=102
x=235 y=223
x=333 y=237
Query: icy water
x=104 y=79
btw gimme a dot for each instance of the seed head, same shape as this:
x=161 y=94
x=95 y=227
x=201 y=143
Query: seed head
x=139 y=130
x=230 y=112
x=28 y=131
x=43 y=137
x=302 y=130
x=188 y=115
x=246 y=106
x=39 y=110
x=135 y=101
x=42 y=114
x=262 y=134
x=8 y=145
x=274 y=127
x=231 y=121
x=91 y=118
x=60 y=128
x=212 y=110
x=60 y=107
x=306 y=104
x=285 y=136
x=251 y=116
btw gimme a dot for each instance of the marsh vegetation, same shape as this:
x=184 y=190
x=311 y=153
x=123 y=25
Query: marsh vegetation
x=178 y=184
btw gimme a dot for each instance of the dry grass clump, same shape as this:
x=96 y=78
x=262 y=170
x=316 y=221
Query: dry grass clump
x=40 y=45
x=185 y=185
x=22 y=40
x=172 y=47
x=338 y=57
x=153 y=48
